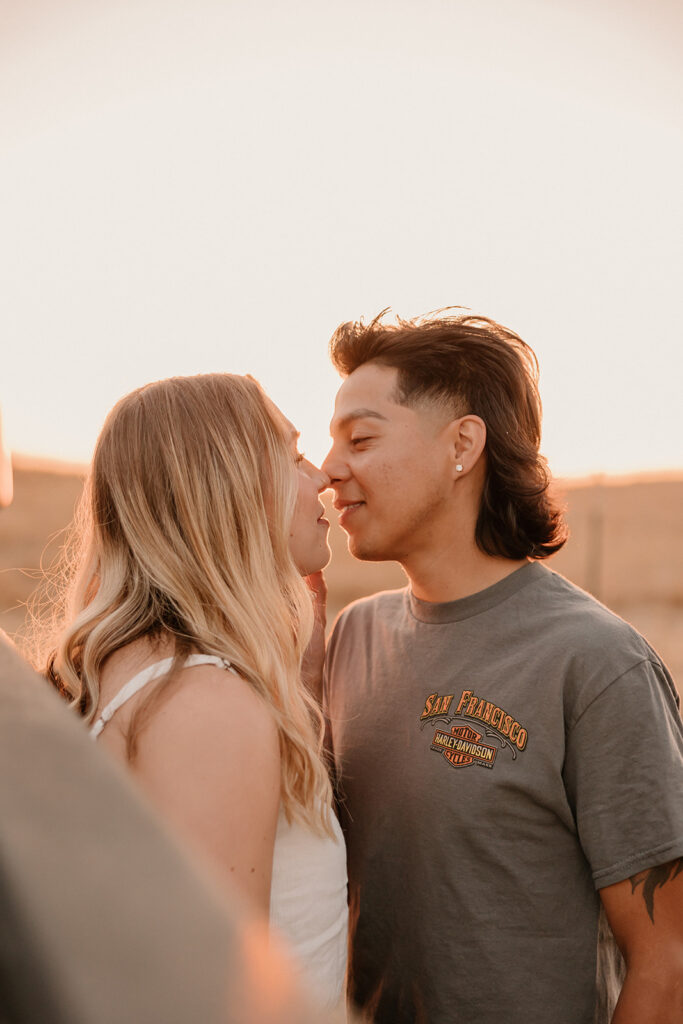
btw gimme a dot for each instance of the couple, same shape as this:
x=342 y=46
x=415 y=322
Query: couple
x=508 y=755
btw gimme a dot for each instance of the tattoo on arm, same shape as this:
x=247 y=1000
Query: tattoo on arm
x=655 y=878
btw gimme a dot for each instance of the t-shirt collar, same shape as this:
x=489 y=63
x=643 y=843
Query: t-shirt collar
x=474 y=604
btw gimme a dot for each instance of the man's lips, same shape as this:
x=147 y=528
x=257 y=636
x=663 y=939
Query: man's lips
x=346 y=509
x=343 y=506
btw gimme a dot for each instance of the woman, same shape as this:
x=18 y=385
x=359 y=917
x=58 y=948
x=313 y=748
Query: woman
x=186 y=624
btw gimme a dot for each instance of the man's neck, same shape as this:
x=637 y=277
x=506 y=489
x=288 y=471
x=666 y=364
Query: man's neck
x=460 y=570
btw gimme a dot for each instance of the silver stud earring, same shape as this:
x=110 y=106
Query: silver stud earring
x=458 y=468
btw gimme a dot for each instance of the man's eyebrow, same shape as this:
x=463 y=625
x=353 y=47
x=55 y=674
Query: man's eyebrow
x=357 y=414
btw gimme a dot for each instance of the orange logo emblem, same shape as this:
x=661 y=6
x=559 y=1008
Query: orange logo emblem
x=461 y=747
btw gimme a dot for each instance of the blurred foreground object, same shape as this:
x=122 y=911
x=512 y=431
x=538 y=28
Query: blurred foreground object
x=6 y=488
x=103 y=919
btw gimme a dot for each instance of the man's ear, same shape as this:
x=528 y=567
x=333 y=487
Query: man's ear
x=468 y=439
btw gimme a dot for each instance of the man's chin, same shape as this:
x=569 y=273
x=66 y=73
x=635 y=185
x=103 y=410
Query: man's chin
x=365 y=551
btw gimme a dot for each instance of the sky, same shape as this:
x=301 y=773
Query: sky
x=187 y=188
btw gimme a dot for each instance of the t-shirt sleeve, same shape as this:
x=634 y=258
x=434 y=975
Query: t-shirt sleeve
x=330 y=648
x=327 y=696
x=328 y=742
x=331 y=745
x=332 y=651
x=624 y=775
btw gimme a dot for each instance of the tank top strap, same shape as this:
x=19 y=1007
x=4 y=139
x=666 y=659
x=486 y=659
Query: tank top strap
x=147 y=675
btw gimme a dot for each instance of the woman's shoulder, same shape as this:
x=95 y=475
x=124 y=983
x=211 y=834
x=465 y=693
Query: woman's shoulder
x=201 y=700
x=218 y=695
x=209 y=723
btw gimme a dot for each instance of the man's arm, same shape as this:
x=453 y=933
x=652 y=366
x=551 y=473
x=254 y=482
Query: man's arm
x=645 y=913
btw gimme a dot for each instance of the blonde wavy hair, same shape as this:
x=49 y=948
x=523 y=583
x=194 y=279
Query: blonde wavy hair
x=183 y=531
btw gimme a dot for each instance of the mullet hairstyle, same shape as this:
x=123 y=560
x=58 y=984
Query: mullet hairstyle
x=182 y=531
x=476 y=366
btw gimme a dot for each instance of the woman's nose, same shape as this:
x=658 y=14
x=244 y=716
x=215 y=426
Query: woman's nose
x=322 y=479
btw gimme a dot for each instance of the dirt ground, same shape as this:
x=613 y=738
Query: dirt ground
x=626 y=548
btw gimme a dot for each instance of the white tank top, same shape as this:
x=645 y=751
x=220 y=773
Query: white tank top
x=308 y=898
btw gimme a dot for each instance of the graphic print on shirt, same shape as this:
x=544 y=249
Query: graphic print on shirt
x=462 y=746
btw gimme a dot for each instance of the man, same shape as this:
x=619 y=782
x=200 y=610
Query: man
x=509 y=754
x=103 y=919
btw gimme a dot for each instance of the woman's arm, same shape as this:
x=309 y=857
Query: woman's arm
x=209 y=759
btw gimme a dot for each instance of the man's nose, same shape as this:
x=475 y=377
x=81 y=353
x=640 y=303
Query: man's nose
x=334 y=467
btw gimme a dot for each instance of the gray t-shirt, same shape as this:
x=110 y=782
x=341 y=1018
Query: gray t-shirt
x=499 y=758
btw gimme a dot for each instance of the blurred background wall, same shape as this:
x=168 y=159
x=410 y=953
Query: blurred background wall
x=626 y=548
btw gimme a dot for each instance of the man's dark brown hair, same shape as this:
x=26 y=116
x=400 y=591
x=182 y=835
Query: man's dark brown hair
x=481 y=368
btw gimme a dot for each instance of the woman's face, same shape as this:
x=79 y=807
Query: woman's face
x=308 y=529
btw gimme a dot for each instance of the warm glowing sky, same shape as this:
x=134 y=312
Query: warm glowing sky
x=215 y=185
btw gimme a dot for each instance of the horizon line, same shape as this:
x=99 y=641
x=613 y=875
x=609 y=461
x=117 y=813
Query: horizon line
x=25 y=462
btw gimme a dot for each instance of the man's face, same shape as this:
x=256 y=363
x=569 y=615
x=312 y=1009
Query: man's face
x=390 y=466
